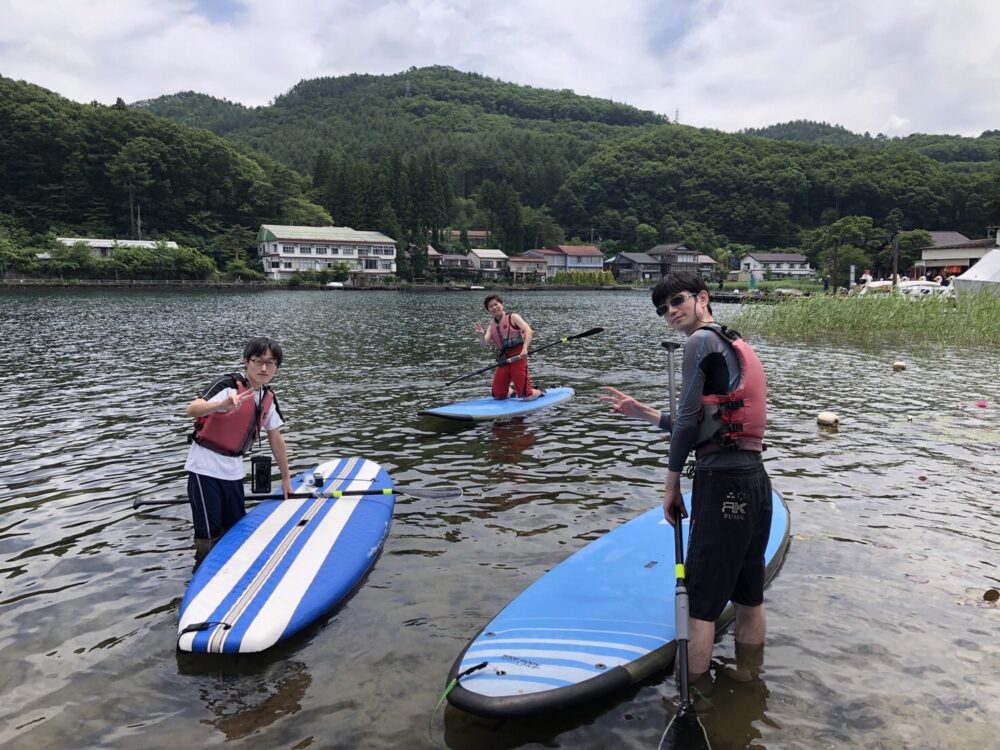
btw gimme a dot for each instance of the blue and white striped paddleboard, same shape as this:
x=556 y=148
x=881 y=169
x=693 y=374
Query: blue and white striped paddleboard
x=481 y=409
x=287 y=562
x=601 y=620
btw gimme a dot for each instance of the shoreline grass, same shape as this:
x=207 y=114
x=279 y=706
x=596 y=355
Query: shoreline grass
x=969 y=320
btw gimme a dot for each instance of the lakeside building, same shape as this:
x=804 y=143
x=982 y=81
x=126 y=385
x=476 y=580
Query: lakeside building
x=453 y=261
x=555 y=260
x=582 y=257
x=475 y=237
x=528 y=267
x=283 y=250
x=709 y=267
x=673 y=257
x=629 y=267
x=757 y=266
x=490 y=262
x=951 y=254
x=103 y=248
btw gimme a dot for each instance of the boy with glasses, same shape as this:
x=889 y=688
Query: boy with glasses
x=721 y=415
x=229 y=416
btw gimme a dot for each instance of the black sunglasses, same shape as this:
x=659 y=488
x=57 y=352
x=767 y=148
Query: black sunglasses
x=676 y=301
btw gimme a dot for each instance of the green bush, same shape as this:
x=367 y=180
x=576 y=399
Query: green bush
x=584 y=278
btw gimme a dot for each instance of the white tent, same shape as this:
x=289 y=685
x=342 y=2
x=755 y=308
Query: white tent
x=982 y=277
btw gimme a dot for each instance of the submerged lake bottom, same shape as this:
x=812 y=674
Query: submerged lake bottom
x=880 y=629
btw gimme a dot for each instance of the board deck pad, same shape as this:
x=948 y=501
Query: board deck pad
x=596 y=623
x=481 y=409
x=287 y=562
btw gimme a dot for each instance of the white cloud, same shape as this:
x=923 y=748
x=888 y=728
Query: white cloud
x=894 y=67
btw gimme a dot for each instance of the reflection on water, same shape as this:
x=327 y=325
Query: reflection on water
x=878 y=630
x=241 y=706
x=511 y=438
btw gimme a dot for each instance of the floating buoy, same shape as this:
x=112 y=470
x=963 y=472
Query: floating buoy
x=991 y=595
x=827 y=419
x=981 y=403
x=898 y=366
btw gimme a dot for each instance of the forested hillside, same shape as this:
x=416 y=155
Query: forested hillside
x=964 y=154
x=412 y=153
x=764 y=192
x=600 y=169
x=93 y=170
x=480 y=128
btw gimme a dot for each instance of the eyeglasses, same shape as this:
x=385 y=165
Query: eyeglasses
x=264 y=362
x=676 y=301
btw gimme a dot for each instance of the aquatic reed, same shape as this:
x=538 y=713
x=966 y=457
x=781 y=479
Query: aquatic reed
x=969 y=320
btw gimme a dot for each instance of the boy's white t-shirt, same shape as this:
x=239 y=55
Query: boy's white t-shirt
x=208 y=463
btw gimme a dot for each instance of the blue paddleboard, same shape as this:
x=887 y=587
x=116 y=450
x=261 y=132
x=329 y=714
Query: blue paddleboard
x=287 y=562
x=498 y=408
x=601 y=620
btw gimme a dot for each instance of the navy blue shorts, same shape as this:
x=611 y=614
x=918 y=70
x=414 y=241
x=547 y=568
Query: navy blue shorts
x=216 y=504
x=730 y=524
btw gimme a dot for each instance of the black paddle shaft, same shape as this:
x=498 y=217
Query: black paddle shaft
x=503 y=362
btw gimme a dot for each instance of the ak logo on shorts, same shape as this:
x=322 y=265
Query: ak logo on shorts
x=734 y=508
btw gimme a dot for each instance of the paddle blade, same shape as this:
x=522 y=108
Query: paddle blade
x=685 y=732
x=591 y=332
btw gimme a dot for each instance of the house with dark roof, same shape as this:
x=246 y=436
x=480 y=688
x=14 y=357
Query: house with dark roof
x=675 y=256
x=951 y=254
x=629 y=267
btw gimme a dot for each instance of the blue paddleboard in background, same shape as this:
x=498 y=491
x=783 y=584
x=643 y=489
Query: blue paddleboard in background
x=287 y=562
x=601 y=620
x=498 y=408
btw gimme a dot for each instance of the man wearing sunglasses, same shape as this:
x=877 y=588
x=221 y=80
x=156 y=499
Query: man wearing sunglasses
x=229 y=415
x=721 y=414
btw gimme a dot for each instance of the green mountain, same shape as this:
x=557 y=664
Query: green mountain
x=411 y=153
x=483 y=129
x=88 y=169
x=970 y=154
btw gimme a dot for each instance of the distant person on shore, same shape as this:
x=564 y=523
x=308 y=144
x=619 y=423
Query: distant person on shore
x=826 y=283
x=229 y=415
x=510 y=336
x=720 y=417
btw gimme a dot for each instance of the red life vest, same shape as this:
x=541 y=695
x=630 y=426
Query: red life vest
x=232 y=433
x=736 y=420
x=506 y=337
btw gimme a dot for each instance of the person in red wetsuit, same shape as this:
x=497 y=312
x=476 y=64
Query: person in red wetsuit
x=510 y=335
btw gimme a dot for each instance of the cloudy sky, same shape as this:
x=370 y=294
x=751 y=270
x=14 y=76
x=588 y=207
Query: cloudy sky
x=895 y=66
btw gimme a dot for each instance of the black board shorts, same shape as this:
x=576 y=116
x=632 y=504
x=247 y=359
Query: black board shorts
x=216 y=504
x=730 y=524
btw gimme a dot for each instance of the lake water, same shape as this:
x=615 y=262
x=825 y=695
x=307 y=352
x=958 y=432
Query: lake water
x=879 y=635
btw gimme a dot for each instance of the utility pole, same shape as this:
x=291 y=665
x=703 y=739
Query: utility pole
x=895 y=258
x=836 y=247
x=138 y=219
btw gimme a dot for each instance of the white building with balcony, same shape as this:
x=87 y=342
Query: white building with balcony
x=775 y=265
x=490 y=262
x=283 y=250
